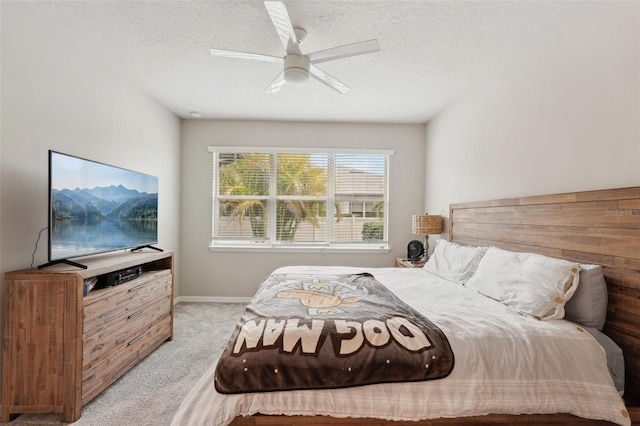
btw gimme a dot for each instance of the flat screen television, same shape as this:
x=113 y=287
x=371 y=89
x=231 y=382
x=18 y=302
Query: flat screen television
x=97 y=208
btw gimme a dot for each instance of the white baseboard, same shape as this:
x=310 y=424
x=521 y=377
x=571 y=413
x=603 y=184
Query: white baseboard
x=208 y=299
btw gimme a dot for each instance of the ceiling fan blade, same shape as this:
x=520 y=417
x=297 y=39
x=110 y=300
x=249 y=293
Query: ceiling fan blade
x=276 y=84
x=345 y=51
x=280 y=18
x=329 y=80
x=244 y=55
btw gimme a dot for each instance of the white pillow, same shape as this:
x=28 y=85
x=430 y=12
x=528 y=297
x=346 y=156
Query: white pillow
x=529 y=283
x=454 y=262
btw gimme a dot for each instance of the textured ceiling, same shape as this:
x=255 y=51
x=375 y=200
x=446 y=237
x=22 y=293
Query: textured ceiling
x=431 y=52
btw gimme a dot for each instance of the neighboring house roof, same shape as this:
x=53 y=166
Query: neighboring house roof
x=352 y=181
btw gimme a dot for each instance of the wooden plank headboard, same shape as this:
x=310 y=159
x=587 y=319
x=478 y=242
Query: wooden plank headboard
x=601 y=227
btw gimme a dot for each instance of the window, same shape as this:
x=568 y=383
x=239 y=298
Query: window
x=292 y=199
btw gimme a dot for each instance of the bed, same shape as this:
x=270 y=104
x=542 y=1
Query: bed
x=495 y=341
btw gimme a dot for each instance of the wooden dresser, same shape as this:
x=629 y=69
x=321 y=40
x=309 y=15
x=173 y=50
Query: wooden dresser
x=60 y=349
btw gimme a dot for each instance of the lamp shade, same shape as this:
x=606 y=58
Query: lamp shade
x=427 y=224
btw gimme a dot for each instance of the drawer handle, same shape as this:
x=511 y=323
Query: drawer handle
x=135 y=339
x=138 y=312
x=138 y=287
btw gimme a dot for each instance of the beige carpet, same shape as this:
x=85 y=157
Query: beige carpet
x=150 y=393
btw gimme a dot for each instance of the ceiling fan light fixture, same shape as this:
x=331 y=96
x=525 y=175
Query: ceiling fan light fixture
x=296 y=75
x=296 y=68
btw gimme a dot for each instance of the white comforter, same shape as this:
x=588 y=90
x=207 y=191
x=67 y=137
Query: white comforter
x=505 y=363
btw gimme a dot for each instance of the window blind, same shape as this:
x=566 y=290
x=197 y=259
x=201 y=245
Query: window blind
x=299 y=198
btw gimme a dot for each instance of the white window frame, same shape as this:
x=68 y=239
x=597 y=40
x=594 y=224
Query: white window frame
x=271 y=246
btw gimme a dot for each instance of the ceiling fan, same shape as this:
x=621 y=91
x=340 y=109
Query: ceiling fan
x=298 y=67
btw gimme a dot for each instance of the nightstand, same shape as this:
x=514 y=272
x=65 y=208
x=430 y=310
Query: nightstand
x=402 y=262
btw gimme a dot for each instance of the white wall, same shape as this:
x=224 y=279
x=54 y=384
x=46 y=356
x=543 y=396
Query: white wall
x=231 y=274
x=560 y=115
x=57 y=96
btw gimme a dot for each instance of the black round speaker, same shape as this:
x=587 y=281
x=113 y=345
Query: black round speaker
x=415 y=250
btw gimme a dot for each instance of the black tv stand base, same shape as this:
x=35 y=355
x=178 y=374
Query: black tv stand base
x=65 y=261
x=146 y=246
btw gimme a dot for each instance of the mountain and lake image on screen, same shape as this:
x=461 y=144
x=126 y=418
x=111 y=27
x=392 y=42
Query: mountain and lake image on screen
x=96 y=208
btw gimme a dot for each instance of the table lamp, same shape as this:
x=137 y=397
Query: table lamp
x=427 y=224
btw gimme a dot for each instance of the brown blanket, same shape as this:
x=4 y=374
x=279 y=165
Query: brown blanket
x=315 y=332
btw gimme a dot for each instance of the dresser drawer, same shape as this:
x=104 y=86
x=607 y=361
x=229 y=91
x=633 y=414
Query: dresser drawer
x=107 y=340
x=105 y=372
x=114 y=303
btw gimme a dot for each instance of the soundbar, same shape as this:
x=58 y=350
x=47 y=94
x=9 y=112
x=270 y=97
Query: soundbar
x=118 y=277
